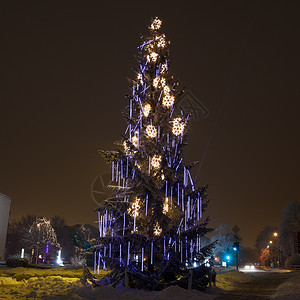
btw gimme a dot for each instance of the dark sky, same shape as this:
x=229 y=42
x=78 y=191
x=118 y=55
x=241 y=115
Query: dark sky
x=64 y=70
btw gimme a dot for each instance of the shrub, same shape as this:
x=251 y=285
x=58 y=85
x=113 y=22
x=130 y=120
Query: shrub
x=14 y=262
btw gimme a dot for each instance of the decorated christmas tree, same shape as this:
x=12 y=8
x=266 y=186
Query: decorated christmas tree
x=153 y=224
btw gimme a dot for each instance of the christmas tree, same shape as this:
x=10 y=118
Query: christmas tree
x=153 y=224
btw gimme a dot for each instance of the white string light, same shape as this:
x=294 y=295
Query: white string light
x=178 y=126
x=157 y=230
x=168 y=100
x=156 y=24
x=155 y=161
x=147 y=108
x=151 y=131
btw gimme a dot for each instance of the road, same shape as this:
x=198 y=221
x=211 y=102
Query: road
x=261 y=287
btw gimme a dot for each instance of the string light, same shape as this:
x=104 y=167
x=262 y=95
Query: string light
x=151 y=131
x=163 y=68
x=168 y=100
x=156 y=24
x=157 y=230
x=147 y=108
x=155 y=161
x=126 y=148
x=166 y=206
x=166 y=90
x=163 y=82
x=162 y=177
x=134 y=141
x=161 y=41
x=156 y=82
x=134 y=209
x=140 y=78
x=153 y=56
x=178 y=126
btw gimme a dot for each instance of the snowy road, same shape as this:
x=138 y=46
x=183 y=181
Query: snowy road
x=263 y=286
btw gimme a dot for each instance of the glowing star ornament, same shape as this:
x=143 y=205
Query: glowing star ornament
x=178 y=126
x=151 y=131
x=155 y=161
x=146 y=109
x=157 y=230
x=156 y=24
x=168 y=100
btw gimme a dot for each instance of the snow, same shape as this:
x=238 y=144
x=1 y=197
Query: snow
x=62 y=283
x=289 y=290
x=226 y=281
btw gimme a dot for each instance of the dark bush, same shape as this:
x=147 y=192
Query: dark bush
x=292 y=261
x=13 y=262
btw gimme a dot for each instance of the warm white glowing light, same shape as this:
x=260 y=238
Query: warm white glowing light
x=178 y=126
x=163 y=68
x=161 y=42
x=135 y=207
x=163 y=82
x=151 y=131
x=166 y=206
x=153 y=56
x=126 y=148
x=166 y=90
x=147 y=108
x=155 y=161
x=156 y=82
x=168 y=100
x=162 y=177
x=157 y=230
x=156 y=24
x=134 y=141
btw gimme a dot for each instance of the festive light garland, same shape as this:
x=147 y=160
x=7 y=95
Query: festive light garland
x=178 y=126
x=147 y=109
x=156 y=24
x=151 y=131
x=168 y=100
x=155 y=161
x=157 y=229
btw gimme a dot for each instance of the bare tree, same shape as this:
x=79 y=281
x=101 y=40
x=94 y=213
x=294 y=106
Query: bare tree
x=38 y=234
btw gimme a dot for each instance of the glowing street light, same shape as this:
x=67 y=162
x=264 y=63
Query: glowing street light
x=275 y=234
x=271 y=242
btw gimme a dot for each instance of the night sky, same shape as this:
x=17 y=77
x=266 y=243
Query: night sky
x=64 y=70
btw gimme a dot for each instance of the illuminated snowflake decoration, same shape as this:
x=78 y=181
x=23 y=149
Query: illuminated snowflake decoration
x=168 y=100
x=153 y=56
x=134 y=141
x=156 y=24
x=157 y=230
x=178 y=126
x=126 y=148
x=134 y=209
x=161 y=42
x=156 y=82
x=151 y=131
x=163 y=82
x=146 y=109
x=155 y=161
x=166 y=90
x=166 y=206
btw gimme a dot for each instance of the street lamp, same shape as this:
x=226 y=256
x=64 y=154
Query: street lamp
x=275 y=234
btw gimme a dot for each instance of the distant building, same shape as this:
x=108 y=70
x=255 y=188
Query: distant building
x=4 y=216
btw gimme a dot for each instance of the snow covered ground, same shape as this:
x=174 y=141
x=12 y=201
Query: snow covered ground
x=289 y=290
x=62 y=283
